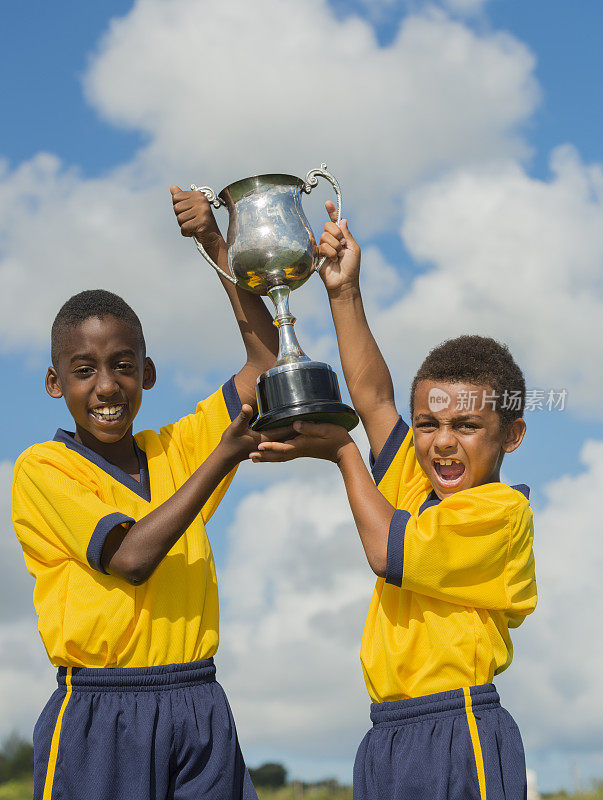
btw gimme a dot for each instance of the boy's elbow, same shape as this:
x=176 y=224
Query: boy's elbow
x=379 y=571
x=378 y=563
x=132 y=572
x=137 y=578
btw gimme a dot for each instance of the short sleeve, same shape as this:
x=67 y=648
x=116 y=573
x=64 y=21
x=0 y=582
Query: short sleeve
x=396 y=471
x=195 y=436
x=467 y=550
x=57 y=518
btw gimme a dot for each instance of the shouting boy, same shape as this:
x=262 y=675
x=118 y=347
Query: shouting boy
x=112 y=527
x=451 y=546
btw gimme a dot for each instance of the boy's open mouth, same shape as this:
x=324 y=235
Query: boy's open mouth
x=450 y=471
x=109 y=413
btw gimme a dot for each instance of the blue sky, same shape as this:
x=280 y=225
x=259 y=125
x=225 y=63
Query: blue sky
x=125 y=114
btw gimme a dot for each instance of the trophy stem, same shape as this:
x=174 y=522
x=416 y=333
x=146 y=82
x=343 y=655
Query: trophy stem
x=289 y=350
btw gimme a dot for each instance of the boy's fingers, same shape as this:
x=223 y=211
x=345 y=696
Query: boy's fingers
x=328 y=251
x=184 y=201
x=274 y=447
x=269 y=457
x=320 y=429
x=183 y=198
x=331 y=210
x=277 y=434
x=334 y=230
x=175 y=189
x=185 y=216
x=346 y=231
x=328 y=238
x=242 y=421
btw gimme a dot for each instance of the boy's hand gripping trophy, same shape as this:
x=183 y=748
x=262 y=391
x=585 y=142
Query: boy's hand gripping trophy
x=272 y=250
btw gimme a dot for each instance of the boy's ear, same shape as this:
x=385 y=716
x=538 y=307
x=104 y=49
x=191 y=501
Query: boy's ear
x=53 y=383
x=513 y=435
x=149 y=375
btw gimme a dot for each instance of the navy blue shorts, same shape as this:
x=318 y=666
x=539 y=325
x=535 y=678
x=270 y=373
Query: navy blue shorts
x=149 y=733
x=457 y=745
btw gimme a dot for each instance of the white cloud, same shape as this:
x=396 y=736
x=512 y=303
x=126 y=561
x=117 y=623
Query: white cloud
x=513 y=257
x=555 y=681
x=295 y=593
x=295 y=590
x=224 y=90
x=62 y=234
x=287 y=84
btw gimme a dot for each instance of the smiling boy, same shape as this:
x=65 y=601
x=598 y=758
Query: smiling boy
x=112 y=527
x=451 y=546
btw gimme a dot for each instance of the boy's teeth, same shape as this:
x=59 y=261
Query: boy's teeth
x=109 y=411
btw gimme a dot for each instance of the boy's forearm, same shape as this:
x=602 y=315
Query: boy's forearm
x=366 y=374
x=135 y=554
x=259 y=335
x=372 y=512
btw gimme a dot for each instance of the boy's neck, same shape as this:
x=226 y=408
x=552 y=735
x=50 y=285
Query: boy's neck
x=121 y=454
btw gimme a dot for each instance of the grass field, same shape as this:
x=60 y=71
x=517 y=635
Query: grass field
x=23 y=790
x=296 y=792
x=17 y=790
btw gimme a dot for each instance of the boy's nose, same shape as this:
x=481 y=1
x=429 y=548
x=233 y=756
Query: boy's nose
x=106 y=386
x=445 y=442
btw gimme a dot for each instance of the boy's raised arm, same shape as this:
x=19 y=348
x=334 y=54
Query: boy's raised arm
x=366 y=373
x=259 y=335
x=134 y=554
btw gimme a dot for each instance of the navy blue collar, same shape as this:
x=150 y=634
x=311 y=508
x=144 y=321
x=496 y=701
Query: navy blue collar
x=432 y=499
x=142 y=488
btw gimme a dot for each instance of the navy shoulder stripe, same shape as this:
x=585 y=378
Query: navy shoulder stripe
x=395 y=547
x=525 y=490
x=231 y=398
x=381 y=464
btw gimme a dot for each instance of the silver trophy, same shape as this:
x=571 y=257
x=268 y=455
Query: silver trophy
x=272 y=250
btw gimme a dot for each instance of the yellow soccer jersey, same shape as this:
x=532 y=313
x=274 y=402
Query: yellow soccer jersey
x=66 y=499
x=460 y=573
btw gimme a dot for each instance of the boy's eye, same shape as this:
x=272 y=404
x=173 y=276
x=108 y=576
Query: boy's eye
x=83 y=372
x=426 y=425
x=468 y=426
x=124 y=365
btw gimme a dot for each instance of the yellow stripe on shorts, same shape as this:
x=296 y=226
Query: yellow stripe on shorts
x=477 y=748
x=54 y=745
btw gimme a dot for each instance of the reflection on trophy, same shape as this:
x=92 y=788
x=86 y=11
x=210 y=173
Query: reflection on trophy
x=272 y=250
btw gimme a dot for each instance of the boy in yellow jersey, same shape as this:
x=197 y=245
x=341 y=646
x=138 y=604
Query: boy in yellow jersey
x=450 y=543
x=112 y=527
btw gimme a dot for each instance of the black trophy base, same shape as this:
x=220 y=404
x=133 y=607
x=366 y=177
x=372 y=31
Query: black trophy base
x=305 y=391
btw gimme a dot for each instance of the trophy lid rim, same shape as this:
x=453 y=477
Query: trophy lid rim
x=294 y=179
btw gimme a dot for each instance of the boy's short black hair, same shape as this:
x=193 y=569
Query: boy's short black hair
x=479 y=360
x=91 y=303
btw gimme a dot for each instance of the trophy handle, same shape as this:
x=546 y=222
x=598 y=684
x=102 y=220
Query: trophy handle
x=310 y=183
x=216 y=202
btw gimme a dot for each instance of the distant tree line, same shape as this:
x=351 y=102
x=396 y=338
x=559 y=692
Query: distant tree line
x=16 y=759
x=273 y=776
x=270 y=776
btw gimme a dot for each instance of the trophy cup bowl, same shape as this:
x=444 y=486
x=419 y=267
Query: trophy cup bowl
x=271 y=251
